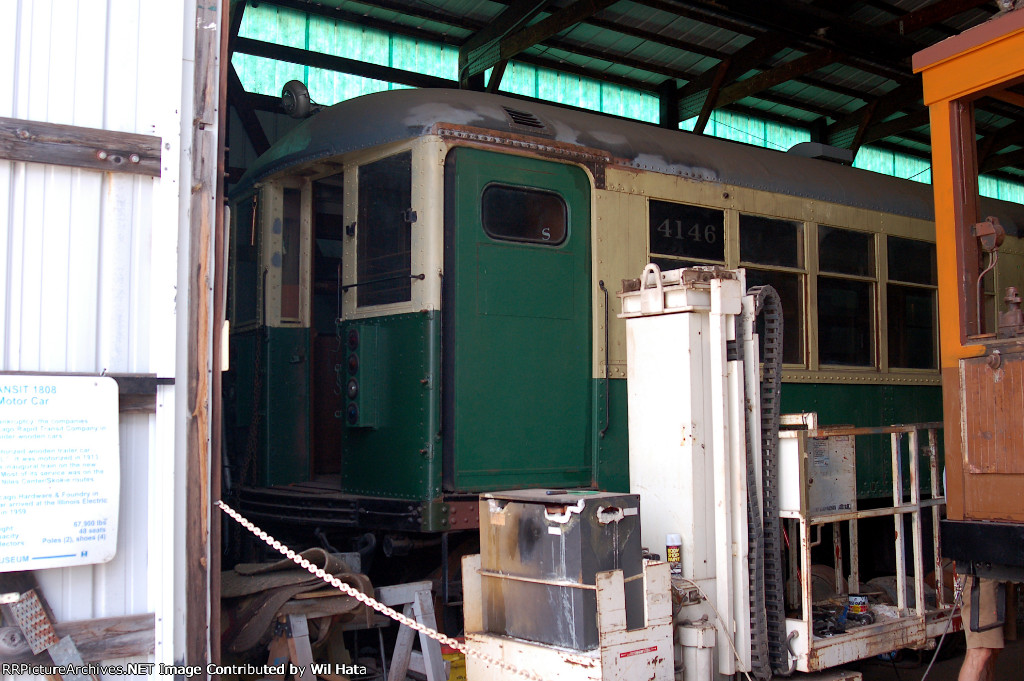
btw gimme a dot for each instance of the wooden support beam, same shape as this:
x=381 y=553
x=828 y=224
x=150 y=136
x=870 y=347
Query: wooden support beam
x=934 y=13
x=721 y=72
x=246 y=113
x=330 y=62
x=815 y=25
x=842 y=132
x=880 y=131
x=993 y=162
x=485 y=43
x=97 y=640
x=668 y=104
x=993 y=142
x=237 y=12
x=656 y=38
x=78 y=147
x=867 y=117
x=496 y=74
x=486 y=55
x=780 y=74
x=205 y=195
x=1007 y=97
x=420 y=11
x=693 y=96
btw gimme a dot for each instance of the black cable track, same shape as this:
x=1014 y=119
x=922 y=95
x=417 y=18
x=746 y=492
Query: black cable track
x=760 y=661
x=766 y=299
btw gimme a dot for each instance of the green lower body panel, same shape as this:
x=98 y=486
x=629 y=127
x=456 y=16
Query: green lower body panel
x=858 y=405
x=271 y=405
x=397 y=374
x=610 y=435
x=867 y=406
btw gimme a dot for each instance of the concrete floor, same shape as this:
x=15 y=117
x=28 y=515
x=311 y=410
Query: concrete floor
x=1009 y=665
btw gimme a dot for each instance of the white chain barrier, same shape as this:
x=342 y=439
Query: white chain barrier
x=375 y=604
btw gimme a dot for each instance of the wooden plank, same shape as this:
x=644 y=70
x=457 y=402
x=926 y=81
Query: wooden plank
x=78 y=147
x=423 y=607
x=97 y=640
x=400 y=594
x=204 y=183
x=298 y=646
x=403 y=649
x=278 y=652
x=246 y=113
x=472 y=595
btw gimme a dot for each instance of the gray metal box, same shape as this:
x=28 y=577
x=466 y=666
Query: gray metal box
x=827 y=469
x=540 y=552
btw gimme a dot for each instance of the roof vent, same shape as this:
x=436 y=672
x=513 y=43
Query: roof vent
x=823 y=152
x=524 y=121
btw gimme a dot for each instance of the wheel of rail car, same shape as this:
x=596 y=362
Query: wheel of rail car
x=295 y=99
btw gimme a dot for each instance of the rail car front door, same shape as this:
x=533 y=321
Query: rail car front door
x=516 y=323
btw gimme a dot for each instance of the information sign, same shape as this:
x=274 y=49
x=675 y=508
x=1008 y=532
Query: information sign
x=59 y=471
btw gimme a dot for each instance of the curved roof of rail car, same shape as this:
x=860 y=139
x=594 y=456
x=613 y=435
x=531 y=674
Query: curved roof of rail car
x=395 y=115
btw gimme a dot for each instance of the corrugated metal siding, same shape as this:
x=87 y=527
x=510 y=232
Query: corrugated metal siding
x=88 y=265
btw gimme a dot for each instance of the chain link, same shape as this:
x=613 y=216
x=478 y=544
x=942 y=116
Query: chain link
x=383 y=609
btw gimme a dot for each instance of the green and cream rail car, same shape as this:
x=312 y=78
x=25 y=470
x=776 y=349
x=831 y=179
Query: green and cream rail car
x=422 y=298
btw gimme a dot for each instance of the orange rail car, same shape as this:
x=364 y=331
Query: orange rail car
x=982 y=348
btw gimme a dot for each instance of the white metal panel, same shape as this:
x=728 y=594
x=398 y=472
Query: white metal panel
x=92 y=269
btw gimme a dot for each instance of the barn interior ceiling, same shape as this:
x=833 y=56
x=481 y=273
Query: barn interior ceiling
x=840 y=69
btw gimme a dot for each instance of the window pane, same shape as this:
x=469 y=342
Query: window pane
x=247 y=249
x=911 y=327
x=383 y=252
x=911 y=260
x=767 y=241
x=687 y=231
x=329 y=226
x=790 y=288
x=844 y=322
x=290 y=238
x=845 y=252
x=521 y=214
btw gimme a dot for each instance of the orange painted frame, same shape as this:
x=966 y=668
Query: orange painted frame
x=956 y=72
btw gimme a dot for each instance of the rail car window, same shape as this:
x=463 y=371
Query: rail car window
x=790 y=287
x=846 y=267
x=328 y=243
x=910 y=294
x=524 y=214
x=844 y=251
x=683 y=231
x=246 y=280
x=290 y=251
x=770 y=241
x=773 y=243
x=383 y=247
x=911 y=261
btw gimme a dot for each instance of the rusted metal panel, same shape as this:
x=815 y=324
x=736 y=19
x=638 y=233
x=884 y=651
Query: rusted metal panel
x=993 y=414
